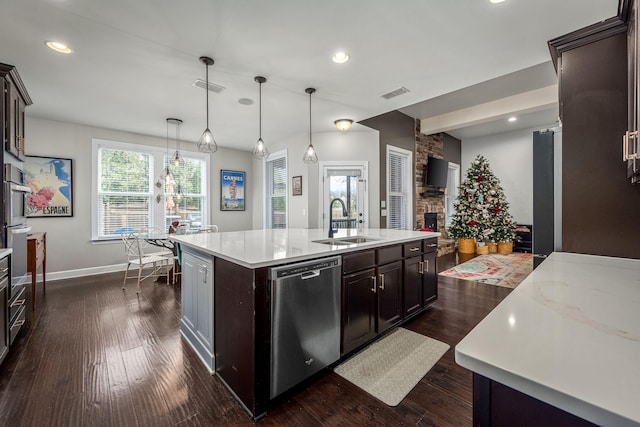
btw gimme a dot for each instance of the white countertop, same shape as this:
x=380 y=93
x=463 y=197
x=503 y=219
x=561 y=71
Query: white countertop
x=568 y=335
x=4 y=252
x=261 y=248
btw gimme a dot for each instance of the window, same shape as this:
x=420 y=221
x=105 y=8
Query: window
x=451 y=192
x=128 y=193
x=399 y=192
x=276 y=190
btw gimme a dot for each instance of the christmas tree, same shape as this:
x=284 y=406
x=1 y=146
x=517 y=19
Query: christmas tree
x=481 y=209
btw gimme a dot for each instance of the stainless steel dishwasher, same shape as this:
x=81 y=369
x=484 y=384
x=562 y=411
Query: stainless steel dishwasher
x=305 y=320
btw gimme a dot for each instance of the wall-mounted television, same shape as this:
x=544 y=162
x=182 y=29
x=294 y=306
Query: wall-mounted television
x=436 y=172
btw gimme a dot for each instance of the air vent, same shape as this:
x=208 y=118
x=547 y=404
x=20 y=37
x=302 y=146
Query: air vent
x=395 y=93
x=212 y=86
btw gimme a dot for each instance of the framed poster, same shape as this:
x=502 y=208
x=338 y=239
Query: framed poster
x=51 y=183
x=296 y=185
x=231 y=190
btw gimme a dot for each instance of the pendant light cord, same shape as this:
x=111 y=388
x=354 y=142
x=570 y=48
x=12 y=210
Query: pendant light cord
x=207 y=91
x=260 y=110
x=310 y=119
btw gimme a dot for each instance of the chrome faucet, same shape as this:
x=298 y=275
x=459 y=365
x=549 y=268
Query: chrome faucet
x=344 y=213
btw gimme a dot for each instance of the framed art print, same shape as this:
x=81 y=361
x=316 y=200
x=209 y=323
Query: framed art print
x=51 y=183
x=232 y=190
x=296 y=186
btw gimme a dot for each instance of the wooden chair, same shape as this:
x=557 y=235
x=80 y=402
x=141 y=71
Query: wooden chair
x=159 y=262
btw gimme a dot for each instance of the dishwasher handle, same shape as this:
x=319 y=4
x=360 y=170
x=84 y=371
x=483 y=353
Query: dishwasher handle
x=310 y=274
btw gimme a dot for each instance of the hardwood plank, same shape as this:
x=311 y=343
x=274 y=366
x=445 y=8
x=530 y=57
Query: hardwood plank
x=95 y=355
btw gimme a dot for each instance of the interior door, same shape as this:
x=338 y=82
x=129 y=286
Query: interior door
x=347 y=182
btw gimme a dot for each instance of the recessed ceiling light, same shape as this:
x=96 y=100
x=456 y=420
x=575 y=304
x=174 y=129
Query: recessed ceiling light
x=340 y=57
x=512 y=119
x=496 y=1
x=58 y=47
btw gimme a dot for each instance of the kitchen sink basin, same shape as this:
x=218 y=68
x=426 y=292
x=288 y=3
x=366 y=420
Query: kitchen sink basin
x=344 y=241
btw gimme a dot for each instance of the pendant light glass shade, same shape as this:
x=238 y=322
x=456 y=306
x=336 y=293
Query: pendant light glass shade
x=310 y=157
x=207 y=143
x=176 y=159
x=260 y=149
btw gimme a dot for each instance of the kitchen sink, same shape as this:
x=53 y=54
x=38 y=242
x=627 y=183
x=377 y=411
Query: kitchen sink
x=345 y=241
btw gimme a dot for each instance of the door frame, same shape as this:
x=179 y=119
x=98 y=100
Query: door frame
x=363 y=165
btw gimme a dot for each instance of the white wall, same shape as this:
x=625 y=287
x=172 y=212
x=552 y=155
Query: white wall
x=511 y=158
x=70 y=251
x=330 y=146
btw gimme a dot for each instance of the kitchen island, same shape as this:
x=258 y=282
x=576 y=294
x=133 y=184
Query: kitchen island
x=384 y=277
x=562 y=349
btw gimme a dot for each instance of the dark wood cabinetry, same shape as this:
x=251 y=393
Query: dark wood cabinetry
x=381 y=287
x=15 y=101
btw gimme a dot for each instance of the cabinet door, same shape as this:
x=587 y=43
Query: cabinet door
x=11 y=105
x=412 y=285
x=389 y=295
x=430 y=278
x=358 y=309
x=204 y=294
x=19 y=138
x=188 y=290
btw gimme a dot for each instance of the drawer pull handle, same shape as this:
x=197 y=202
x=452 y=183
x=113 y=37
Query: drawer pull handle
x=18 y=323
x=18 y=302
x=414 y=249
x=421 y=267
x=374 y=290
x=382 y=282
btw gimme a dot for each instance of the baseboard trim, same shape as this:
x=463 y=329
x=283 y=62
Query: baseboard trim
x=81 y=272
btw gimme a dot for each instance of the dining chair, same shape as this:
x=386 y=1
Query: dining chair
x=208 y=229
x=159 y=262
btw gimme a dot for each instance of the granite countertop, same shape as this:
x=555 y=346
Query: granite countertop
x=568 y=335
x=261 y=248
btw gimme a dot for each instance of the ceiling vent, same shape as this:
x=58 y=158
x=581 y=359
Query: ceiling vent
x=212 y=86
x=395 y=93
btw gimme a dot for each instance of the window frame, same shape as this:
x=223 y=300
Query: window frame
x=268 y=181
x=158 y=155
x=407 y=180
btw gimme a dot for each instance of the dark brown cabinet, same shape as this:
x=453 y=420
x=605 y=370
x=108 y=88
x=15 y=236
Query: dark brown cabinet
x=15 y=101
x=381 y=287
x=389 y=277
x=359 y=309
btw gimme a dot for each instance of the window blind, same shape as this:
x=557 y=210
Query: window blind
x=277 y=193
x=397 y=191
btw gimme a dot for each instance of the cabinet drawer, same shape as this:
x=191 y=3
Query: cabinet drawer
x=389 y=254
x=430 y=245
x=16 y=325
x=358 y=261
x=17 y=302
x=412 y=248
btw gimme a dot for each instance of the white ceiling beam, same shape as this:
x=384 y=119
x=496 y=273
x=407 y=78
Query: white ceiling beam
x=526 y=102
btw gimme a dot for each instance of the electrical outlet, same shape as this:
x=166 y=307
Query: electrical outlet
x=383 y=212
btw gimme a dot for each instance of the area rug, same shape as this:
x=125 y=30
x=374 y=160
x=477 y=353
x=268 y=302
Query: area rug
x=494 y=269
x=389 y=368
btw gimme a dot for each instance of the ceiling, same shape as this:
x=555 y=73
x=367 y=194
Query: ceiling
x=135 y=62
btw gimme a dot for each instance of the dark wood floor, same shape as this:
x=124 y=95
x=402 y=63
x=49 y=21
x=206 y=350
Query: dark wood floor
x=97 y=356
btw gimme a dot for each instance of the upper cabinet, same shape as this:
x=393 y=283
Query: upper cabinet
x=631 y=138
x=15 y=101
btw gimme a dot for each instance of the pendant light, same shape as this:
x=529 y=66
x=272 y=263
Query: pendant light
x=207 y=144
x=166 y=175
x=310 y=157
x=176 y=159
x=260 y=150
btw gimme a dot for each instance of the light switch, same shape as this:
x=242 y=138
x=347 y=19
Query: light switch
x=383 y=204
x=383 y=212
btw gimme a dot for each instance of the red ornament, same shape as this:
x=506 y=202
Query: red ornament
x=473 y=223
x=496 y=210
x=480 y=178
x=466 y=195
